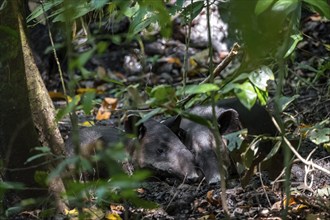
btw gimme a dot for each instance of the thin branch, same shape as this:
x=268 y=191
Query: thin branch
x=216 y=72
x=306 y=162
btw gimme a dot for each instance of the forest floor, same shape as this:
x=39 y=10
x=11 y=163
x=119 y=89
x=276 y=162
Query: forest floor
x=261 y=198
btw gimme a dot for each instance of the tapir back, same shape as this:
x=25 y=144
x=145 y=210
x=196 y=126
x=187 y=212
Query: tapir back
x=89 y=136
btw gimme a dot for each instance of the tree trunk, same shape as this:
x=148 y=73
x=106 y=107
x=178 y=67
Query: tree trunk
x=27 y=116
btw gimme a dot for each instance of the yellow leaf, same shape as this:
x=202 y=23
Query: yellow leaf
x=71 y=212
x=84 y=90
x=113 y=216
x=87 y=124
x=57 y=95
x=327 y=46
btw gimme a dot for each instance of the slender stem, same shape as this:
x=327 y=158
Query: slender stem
x=215 y=130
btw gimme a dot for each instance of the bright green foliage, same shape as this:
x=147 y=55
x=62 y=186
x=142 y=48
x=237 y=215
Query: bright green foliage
x=260 y=77
x=198 y=89
x=162 y=95
x=321 y=6
x=191 y=11
x=142 y=13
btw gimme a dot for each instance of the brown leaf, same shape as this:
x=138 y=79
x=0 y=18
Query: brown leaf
x=108 y=105
x=213 y=199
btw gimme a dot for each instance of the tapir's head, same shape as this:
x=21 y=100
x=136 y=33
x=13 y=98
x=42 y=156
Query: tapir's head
x=201 y=141
x=160 y=150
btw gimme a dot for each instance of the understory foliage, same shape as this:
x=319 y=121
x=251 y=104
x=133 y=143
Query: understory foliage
x=267 y=30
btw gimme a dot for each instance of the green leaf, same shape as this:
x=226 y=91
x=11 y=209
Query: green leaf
x=246 y=94
x=235 y=139
x=200 y=89
x=192 y=10
x=39 y=11
x=162 y=92
x=296 y=39
x=321 y=6
x=262 y=96
x=75 y=10
x=69 y=108
x=82 y=59
x=284 y=101
x=260 y=77
x=40 y=177
x=140 y=23
x=274 y=150
x=262 y=5
x=229 y=87
x=286 y=6
x=87 y=102
x=233 y=84
x=98 y=4
x=319 y=136
x=34 y=157
x=43 y=149
x=131 y=11
x=197 y=119
x=11 y=185
x=102 y=46
x=151 y=114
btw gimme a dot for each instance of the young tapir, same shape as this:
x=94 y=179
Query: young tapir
x=231 y=116
x=156 y=147
x=201 y=141
x=258 y=121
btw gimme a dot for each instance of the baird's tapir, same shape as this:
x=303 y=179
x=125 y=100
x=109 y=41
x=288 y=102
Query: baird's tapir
x=231 y=116
x=156 y=147
x=200 y=140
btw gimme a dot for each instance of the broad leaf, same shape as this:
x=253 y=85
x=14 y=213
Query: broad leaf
x=200 y=89
x=321 y=6
x=320 y=136
x=246 y=94
x=262 y=5
x=284 y=101
x=285 y=6
x=235 y=139
x=191 y=11
x=260 y=77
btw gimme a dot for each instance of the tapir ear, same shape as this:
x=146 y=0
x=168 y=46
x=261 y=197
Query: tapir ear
x=173 y=123
x=228 y=121
x=131 y=128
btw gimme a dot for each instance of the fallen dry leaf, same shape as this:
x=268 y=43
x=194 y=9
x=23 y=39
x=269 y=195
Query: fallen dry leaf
x=213 y=199
x=108 y=105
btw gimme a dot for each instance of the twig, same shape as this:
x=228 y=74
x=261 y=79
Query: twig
x=263 y=186
x=54 y=51
x=305 y=161
x=225 y=62
x=308 y=170
x=216 y=72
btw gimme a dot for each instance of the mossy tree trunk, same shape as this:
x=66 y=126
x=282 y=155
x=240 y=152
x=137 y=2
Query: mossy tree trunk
x=27 y=113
